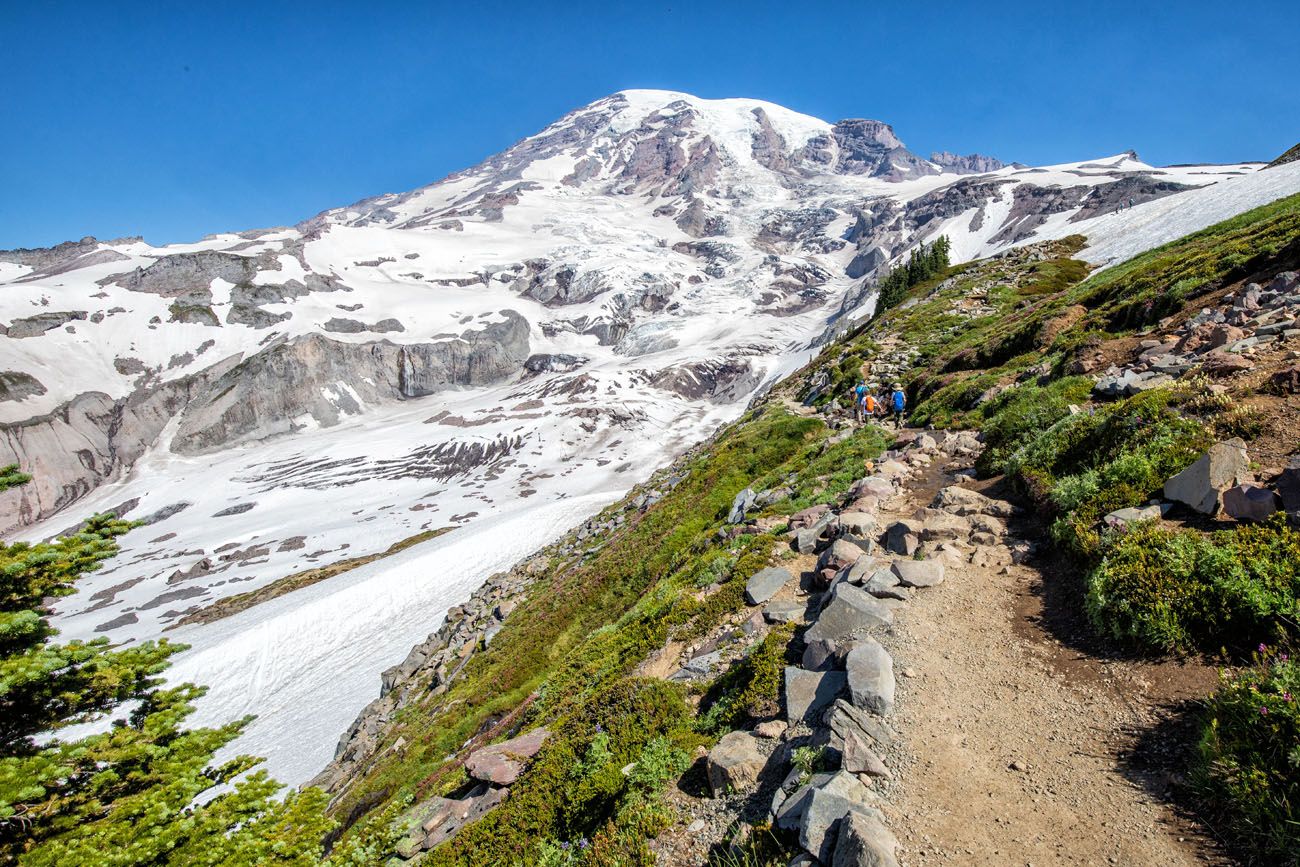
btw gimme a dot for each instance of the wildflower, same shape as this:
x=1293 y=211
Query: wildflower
x=600 y=729
x=1263 y=647
x=1286 y=696
x=1263 y=711
x=584 y=843
x=1282 y=657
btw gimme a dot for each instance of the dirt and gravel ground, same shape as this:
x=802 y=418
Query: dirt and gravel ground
x=1025 y=745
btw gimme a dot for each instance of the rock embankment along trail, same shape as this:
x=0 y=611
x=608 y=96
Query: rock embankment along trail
x=954 y=725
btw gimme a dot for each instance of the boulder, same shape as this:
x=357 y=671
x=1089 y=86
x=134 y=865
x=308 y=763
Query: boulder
x=859 y=524
x=843 y=719
x=503 y=763
x=1219 y=363
x=918 y=573
x=857 y=757
x=785 y=611
x=734 y=763
x=925 y=443
x=883 y=584
x=874 y=486
x=944 y=527
x=963 y=501
x=864 y=841
x=743 y=502
x=1121 y=519
x=1201 y=485
x=808 y=516
x=1249 y=502
x=818 y=808
x=808 y=693
x=850 y=612
x=841 y=553
x=870 y=677
x=1288 y=488
x=805 y=540
x=902 y=538
x=765 y=583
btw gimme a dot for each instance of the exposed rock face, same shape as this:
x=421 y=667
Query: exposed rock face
x=16 y=385
x=974 y=164
x=260 y=396
x=765 y=583
x=110 y=435
x=35 y=326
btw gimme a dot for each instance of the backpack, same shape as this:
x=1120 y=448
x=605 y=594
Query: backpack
x=870 y=403
x=899 y=400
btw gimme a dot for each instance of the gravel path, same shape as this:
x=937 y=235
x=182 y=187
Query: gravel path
x=1016 y=741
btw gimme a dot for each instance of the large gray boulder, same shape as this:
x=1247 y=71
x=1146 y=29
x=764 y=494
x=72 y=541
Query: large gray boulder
x=902 y=537
x=765 y=583
x=818 y=808
x=918 y=573
x=734 y=763
x=842 y=719
x=859 y=524
x=850 y=612
x=809 y=693
x=1201 y=485
x=864 y=841
x=870 y=672
x=743 y=502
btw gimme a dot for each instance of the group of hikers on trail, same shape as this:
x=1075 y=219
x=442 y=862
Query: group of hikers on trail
x=886 y=406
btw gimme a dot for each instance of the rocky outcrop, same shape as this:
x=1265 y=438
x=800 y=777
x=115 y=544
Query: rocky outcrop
x=16 y=385
x=87 y=441
x=973 y=164
x=35 y=326
x=262 y=395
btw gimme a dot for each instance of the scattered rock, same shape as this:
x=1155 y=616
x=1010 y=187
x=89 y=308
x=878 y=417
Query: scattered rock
x=808 y=693
x=1249 y=502
x=850 y=612
x=743 y=502
x=765 y=583
x=784 y=611
x=1201 y=485
x=771 y=729
x=503 y=763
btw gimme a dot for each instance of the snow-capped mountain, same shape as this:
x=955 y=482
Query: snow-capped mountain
x=502 y=352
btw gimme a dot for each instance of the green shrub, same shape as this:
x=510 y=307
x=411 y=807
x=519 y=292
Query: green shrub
x=1086 y=465
x=1024 y=411
x=750 y=690
x=575 y=789
x=1180 y=590
x=1249 y=758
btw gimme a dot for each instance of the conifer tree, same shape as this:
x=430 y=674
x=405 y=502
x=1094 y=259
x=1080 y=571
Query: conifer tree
x=125 y=796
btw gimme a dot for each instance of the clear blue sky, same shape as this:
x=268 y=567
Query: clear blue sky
x=174 y=120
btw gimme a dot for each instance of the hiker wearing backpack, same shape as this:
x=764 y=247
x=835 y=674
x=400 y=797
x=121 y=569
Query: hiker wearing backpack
x=869 y=406
x=859 y=395
x=898 y=403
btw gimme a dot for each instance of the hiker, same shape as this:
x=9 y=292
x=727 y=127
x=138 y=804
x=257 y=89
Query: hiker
x=898 y=403
x=869 y=406
x=859 y=394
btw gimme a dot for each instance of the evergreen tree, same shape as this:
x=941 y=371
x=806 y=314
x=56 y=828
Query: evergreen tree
x=924 y=262
x=125 y=796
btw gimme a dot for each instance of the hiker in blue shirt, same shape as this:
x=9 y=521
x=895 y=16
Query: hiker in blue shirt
x=897 y=404
x=859 y=396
